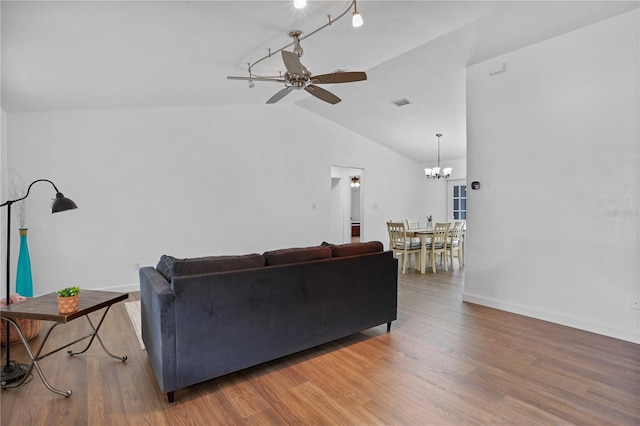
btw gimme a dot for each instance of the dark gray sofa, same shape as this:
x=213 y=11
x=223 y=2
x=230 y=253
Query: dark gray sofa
x=207 y=317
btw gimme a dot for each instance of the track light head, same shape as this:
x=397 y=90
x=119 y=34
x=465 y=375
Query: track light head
x=356 y=19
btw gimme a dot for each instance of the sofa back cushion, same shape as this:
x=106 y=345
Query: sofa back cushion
x=170 y=266
x=297 y=255
x=354 y=249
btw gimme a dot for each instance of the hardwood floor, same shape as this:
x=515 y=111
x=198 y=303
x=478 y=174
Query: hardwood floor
x=444 y=363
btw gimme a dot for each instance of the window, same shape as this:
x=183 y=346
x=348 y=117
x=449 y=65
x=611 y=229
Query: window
x=460 y=202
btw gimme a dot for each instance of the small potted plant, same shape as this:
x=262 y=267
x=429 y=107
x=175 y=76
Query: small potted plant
x=68 y=300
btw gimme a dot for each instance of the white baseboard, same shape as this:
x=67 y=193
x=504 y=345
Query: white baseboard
x=122 y=288
x=579 y=323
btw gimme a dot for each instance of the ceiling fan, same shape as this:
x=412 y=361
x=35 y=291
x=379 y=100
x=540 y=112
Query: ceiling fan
x=298 y=76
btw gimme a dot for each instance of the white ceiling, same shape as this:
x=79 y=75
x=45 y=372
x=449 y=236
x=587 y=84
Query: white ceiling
x=117 y=54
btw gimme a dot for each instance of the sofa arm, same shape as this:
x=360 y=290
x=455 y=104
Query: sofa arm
x=157 y=305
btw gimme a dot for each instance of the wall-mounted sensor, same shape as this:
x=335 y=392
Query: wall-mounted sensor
x=497 y=68
x=475 y=185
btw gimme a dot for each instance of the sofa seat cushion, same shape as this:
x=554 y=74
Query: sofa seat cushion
x=410 y=243
x=355 y=249
x=297 y=255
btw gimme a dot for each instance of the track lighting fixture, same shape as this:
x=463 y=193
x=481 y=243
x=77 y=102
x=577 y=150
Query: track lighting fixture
x=356 y=21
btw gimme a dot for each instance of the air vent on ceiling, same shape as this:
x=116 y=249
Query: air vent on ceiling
x=401 y=102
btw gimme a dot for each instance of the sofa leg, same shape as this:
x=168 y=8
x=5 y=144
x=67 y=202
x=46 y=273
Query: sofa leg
x=171 y=397
x=389 y=326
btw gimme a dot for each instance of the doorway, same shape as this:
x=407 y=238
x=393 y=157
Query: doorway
x=347 y=218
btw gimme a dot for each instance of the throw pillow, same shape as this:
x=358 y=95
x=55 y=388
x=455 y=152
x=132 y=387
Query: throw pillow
x=165 y=266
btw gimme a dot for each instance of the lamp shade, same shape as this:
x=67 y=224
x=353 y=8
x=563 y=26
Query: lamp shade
x=356 y=20
x=62 y=203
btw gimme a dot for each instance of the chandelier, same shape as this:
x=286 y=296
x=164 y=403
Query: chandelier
x=438 y=172
x=355 y=182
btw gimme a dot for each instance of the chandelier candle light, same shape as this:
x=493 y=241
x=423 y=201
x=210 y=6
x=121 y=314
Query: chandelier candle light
x=438 y=172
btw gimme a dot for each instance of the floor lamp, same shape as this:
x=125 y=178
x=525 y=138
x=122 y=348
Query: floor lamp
x=11 y=370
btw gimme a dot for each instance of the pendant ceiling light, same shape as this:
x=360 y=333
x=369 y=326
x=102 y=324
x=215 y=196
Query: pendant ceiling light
x=438 y=172
x=356 y=19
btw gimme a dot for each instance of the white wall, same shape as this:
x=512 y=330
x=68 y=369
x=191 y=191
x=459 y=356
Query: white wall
x=189 y=181
x=554 y=141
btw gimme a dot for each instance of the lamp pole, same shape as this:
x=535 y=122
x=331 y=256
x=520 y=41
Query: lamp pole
x=11 y=370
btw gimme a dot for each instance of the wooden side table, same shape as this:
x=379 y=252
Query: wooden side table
x=46 y=308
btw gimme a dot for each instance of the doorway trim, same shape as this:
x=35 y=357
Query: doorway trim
x=341 y=203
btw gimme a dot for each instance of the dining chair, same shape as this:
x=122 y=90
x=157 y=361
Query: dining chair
x=438 y=244
x=412 y=223
x=402 y=244
x=454 y=242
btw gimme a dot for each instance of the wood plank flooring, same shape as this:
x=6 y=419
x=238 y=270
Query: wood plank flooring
x=444 y=362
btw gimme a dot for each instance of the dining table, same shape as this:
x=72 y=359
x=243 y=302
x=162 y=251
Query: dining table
x=425 y=235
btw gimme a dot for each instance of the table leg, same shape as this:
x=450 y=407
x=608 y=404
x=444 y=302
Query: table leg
x=36 y=357
x=423 y=253
x=95 y=334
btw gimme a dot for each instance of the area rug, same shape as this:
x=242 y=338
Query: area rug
x=133 y=309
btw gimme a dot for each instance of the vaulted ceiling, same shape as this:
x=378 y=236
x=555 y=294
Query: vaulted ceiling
x=69 y=55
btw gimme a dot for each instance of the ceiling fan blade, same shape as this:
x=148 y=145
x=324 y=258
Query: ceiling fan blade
x=339 y=77
x=272 y=79
x=281 y=94
x=322 y=94
x=292 y=62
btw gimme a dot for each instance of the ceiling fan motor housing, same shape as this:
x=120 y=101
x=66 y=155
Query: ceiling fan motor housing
x=298 y=84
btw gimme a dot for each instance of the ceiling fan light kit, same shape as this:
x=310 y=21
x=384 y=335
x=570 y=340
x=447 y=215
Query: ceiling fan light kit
x=438 y=172
x=297 y=76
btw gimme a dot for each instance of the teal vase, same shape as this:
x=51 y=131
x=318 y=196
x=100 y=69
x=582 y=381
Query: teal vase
x=24 y=284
